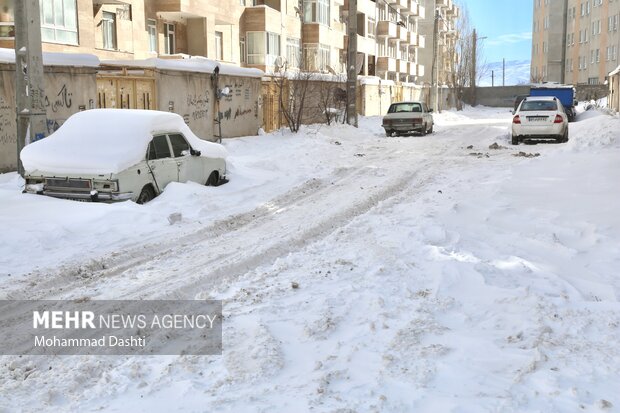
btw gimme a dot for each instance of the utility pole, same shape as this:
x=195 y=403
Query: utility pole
x=29 y=94
x=352 y=64
x=504 y=72
x=492 y=78
x=435 y=68
x=472 y=80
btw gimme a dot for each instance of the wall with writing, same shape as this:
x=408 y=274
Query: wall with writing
x=67 y=90
x=192 y=96
x=240 y=111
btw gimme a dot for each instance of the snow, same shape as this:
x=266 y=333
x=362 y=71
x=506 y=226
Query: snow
x=374 y=80
x=56 y=59
x=197 y=64
x=434 y=274
x=104 y=141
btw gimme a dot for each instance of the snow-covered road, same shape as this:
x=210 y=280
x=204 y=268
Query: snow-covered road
x=435 y=274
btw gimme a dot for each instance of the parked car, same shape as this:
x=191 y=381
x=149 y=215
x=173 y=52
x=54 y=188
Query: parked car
x=540 y=118
x=408 y=117
x=120 y=154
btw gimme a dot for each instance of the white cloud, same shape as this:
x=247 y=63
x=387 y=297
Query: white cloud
x=510 y=38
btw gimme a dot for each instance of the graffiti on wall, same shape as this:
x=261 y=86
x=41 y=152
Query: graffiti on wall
x=7 y=126
x=63 y=99
x=198 y=105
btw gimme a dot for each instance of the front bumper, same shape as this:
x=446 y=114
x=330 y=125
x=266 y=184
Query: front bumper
x=400 y=127
x=92 y=196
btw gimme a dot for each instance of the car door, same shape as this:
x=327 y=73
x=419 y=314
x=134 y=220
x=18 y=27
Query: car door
x=161 y=164
x=190 y=167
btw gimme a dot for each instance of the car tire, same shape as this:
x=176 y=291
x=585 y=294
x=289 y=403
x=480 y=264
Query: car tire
x=147 y=194
x=388 y=133
x=431 y=129
x=214 y=179
x=515 y=140
x=565 y=136
x=424 y=130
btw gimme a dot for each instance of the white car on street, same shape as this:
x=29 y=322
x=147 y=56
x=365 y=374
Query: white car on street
x=120 y=154
x=540 y=118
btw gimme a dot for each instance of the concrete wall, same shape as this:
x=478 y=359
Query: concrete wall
x=589 y=92
x=499 y=96
x=192 y=96
x=67 y=91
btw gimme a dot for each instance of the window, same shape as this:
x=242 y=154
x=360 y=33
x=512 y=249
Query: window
x=242 y=49
x=597 y=55
x=371 y=28
x=158 y=148
x=152 y=30
x=179 y=144
x=108 y=28
x=59 y=21
x=263 y=48
x=596 y=27
x=316 y=11
x=612 y=24
x=546 y=22
x=324 y=60
x=170 y=38
x=219 y=45
x=593 y=81
x=293 y=51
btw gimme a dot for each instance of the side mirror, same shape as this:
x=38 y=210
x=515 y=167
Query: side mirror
x=194 y=152
x=430 y=110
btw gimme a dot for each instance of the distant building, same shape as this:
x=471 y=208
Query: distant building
x=575 y=41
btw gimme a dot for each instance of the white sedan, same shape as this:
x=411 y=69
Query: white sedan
x=120 y=154
x=540 y=118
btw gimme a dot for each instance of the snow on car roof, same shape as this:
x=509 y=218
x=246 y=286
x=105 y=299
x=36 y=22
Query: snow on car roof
x=540 y=98
x=56 y=59
x=103 y=141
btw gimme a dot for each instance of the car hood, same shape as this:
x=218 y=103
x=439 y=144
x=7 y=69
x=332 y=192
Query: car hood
x=104 y=141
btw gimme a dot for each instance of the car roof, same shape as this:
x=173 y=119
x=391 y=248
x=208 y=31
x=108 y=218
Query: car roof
x=541 y=98
x=407 y=101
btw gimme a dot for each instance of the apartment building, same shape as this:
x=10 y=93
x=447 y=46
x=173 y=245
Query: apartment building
x=263 y=34
x=575 y=41
x=446 y=12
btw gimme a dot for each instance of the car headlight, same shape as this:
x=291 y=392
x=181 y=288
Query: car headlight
x=105 y=186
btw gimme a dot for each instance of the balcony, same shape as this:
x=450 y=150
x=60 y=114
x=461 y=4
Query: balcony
x=412 y=39
x=402 y=66
x=318 y=33
x=366 y=7
x=412 y=68
x=181 y=8
x=261 y=19
x=443 y=3
x=421 y=41
x=398 y=4
x=387 y=29
x=421 y=12
x=420 y=70
x=453 y=11
x=402 y=34
x=386 y=64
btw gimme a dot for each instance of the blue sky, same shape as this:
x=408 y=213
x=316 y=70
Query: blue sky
x=507 y=25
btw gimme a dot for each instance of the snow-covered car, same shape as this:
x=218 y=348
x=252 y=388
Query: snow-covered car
x=408 y=117
x=540 y=118
x=120 y=154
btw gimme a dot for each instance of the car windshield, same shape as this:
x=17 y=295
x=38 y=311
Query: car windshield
x=535 y=105
x=405 y=107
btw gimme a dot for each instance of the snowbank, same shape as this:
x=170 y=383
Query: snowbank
x=104 y=141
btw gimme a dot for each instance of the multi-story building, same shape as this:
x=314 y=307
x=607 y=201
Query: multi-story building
x=438 y=56
x=575 y=41
x=264 y=34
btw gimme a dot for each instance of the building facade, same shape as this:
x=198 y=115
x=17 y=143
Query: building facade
x=575 y=41
x=443 y=14
x=264 y=34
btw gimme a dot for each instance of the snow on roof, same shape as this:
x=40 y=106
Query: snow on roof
x=56 y=59
x=614 y=72
x=187 y=64
x=549 y=85
x=103 y=141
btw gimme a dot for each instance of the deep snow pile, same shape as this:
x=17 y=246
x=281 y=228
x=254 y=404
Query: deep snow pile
x=447 y=276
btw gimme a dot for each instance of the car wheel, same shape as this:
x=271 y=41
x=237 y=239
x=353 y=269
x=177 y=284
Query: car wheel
x=388 y=133
x=431 y=129
x=565 y=136
x=424 y=130
x=147 y=194
x=515 y=140
x=214 y=179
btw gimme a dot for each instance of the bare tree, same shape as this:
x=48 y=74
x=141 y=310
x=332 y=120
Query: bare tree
x=292 y=90
x=461 y=53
